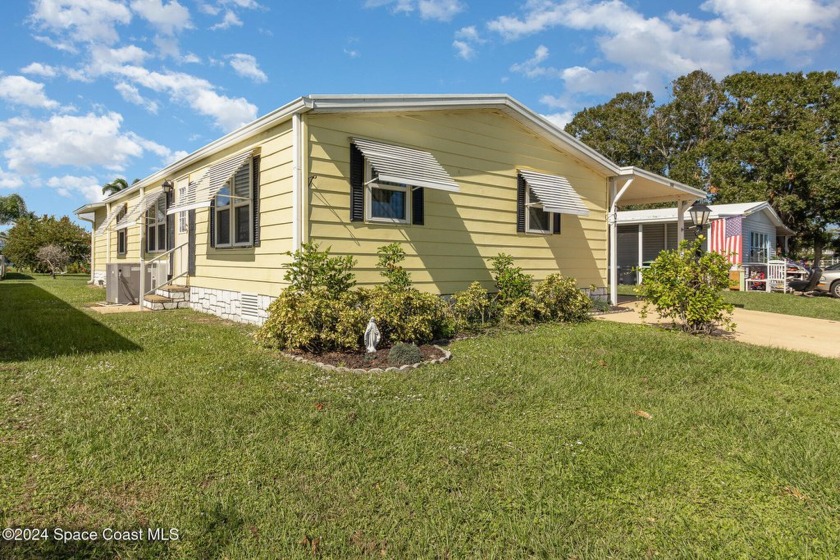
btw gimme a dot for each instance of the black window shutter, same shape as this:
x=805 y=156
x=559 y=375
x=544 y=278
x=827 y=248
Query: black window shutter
x=556 y=223
x=212 y=228
x=417 y=206
x=520 y=203
x=255 y=198
x=191 y=242
x=357 y=187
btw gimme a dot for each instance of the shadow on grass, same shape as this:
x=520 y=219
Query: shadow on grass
x=83 y=550
x=17 y=276
x=36 y=324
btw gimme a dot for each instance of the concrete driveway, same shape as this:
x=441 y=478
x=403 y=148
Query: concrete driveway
x=817 y=336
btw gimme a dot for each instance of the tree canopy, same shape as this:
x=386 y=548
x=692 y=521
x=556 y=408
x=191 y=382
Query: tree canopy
x=31 y=234
x=115 y=186
x=748 y=137
x=12 y=208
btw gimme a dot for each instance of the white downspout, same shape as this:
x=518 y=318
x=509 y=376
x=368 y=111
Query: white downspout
x=680 y=222
x=613 y=221
x=141 y=295
x=297 y=182
x=641 y=254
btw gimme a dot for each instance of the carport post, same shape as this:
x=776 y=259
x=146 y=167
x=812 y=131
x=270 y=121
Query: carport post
x=641 y=254
x=613 y=245
x=680 y=222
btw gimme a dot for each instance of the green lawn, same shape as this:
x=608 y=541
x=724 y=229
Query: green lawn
x=526 y=444
x=818 y=307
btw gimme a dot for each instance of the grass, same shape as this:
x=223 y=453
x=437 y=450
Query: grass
x=526 y=444
x=817 y=307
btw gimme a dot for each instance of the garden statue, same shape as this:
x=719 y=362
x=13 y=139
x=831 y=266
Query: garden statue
x=372 y=336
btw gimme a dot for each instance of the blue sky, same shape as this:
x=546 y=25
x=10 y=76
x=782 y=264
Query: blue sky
x=95 y=89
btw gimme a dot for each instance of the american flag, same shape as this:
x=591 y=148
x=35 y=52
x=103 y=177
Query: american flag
x=725 y=238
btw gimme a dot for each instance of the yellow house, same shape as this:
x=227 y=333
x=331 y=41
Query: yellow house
x=455 y=179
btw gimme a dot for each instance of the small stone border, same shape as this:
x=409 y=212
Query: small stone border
x=447 y=355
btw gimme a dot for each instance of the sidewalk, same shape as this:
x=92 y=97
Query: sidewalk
x=817 y=336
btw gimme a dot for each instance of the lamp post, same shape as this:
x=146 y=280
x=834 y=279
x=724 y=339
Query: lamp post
x=699 y=214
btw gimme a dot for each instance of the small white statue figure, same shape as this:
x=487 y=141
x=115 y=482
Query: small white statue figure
x=372 y=336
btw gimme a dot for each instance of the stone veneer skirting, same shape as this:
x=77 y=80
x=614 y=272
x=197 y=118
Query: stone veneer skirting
x=228 y=304
x=99 y=278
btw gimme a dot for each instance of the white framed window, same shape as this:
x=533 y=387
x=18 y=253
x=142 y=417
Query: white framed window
x=156 y=227
x=122 y=234
x=386 y=202
x=537 y=220
x=234 y=210
x=759 y=246
x=182 y=215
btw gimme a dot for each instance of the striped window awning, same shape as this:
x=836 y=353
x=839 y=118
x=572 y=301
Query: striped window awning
x=405 y=166
x=555 y=193
x=200 y=193
x=112 y=215
x=137 y=213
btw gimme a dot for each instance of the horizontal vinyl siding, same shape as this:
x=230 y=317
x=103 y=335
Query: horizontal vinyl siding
x=760 y=223
x=254 y=269
x=482 y=151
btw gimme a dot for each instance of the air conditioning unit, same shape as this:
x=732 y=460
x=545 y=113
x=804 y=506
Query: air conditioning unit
x=123 y=283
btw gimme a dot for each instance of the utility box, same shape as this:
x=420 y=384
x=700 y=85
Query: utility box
x=123 y=281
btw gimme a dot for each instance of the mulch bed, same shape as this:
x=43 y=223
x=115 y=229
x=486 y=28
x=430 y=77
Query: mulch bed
x=357 y=360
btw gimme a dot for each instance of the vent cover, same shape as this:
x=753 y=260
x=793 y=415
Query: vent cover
x=250 y=306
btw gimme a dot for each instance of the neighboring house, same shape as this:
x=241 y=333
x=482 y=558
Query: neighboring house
x=749 y=232
x=455 y=179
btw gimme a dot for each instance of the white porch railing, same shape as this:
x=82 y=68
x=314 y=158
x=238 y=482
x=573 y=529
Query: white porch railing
x=175 y=266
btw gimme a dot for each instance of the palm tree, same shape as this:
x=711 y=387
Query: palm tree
x=114 y=186
x=12 y=208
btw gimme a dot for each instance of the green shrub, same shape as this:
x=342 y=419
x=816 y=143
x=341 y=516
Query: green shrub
x=409 y=315
x=687 y=289
x=561 y=300
x=511 y=282
x=522 y=311
x=473 y=308
x=389 y=258
x=311 y=268
x=314 y=321
x=403 y=354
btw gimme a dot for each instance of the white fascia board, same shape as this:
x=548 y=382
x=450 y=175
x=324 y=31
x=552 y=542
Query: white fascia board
x=261 y=124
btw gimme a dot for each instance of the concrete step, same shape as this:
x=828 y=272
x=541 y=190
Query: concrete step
x=157 y=302
x=174 y=288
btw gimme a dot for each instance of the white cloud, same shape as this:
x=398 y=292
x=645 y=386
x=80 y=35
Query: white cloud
x=104 y=57
x=132 y=95
x=559 y=119
x=169 y=18
x=38 y=69
x=19 y=90
x=532 y=67
x=68 y=185
x=465 y=42
x=81 y=20
x=246 y=66
x=465 y=50
x=80 y=141
x=199 y=94
x=229 y=20
x=440 y=10
x=352 y=53
x=191 y=58
x=778 y=29
x=10 y=180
